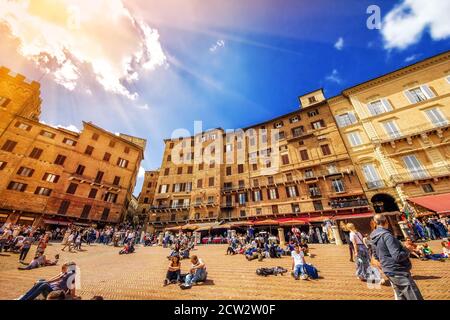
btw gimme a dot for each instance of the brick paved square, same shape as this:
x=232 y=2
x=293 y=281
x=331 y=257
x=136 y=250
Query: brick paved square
x=139 y=276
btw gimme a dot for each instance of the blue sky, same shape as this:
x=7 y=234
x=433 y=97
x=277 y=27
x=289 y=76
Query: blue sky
x=229 y=64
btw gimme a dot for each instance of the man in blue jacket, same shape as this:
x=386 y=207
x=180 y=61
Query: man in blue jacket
x=394 y=260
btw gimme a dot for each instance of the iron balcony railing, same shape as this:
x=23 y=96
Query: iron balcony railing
x=421 y=174
x=411 y=131
x=376 y=184
x=337 y=204
x=315 y=192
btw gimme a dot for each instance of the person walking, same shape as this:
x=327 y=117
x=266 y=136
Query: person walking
x=26 y=245
x=361 y=252
x=347 y=240
x=394 y=260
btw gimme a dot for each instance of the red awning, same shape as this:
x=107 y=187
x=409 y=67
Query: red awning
x=268 y=222
x=292 y=221
x=438 y=203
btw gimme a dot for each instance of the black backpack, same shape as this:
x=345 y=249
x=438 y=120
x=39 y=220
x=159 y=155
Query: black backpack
x=264 y=272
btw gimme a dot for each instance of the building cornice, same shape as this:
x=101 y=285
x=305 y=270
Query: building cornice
x=426 y=63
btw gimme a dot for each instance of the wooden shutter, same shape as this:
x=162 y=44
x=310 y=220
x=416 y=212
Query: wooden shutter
x=428 y=92
x=409 y=97
x=387 y=105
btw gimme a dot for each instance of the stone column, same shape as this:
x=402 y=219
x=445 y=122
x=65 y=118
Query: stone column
x=281 y=236
x=13 y=218
x=337 y=236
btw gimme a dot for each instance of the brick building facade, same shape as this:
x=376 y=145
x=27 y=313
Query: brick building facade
x=52 y=175
x=293 y=166
x=369 y=149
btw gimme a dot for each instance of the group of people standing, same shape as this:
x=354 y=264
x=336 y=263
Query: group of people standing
x=382 y=253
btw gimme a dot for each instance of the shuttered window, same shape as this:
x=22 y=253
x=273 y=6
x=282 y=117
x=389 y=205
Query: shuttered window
x=17 y=186
x=436 y=117
x=346 y=119
x=354 y=138
x=379 y=107
x=419 y=94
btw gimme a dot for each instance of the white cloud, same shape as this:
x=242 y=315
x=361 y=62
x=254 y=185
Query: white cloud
x=412 y=57
x=141 y=173
x=69 y=39
x=339 y=45
x=334 y=77
x=217 y=45
x=405 y=24
x=70 y=127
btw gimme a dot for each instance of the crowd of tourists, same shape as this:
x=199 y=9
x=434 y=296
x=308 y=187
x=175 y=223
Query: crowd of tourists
x=431 y=228
x=379 y=256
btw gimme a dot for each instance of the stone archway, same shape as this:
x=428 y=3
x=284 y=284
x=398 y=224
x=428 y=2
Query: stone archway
x=383 y=202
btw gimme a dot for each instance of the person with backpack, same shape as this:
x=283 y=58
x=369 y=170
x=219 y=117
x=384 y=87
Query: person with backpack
x=298 y=264
x=394 y=260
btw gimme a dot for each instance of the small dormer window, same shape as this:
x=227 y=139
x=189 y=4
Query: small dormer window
x=47 y=134
x=313 y=113
x=278 y=125
x=295 y=119
x=312 y=99
x=23 y=126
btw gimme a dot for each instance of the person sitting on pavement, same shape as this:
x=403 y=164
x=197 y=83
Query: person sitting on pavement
x=298 y=264
x=42 y=244
x=429 y=254
x=256 y=253
x=184 y=253
x=174 y=271
x=414 y=250
x=273 y=251
x=445 y=249
x=304 y=246
x=289 y=248
x=197 y=273
x=65 y=281
x=128 y=248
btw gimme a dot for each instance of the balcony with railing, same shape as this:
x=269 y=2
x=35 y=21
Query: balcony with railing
x=94 y=182
x=299 y=135
x=315 y=193
x=228 y=205
x=345 y=203
x=411 y=132
x=230 y=189
x=376 y=184
x=421 y=174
